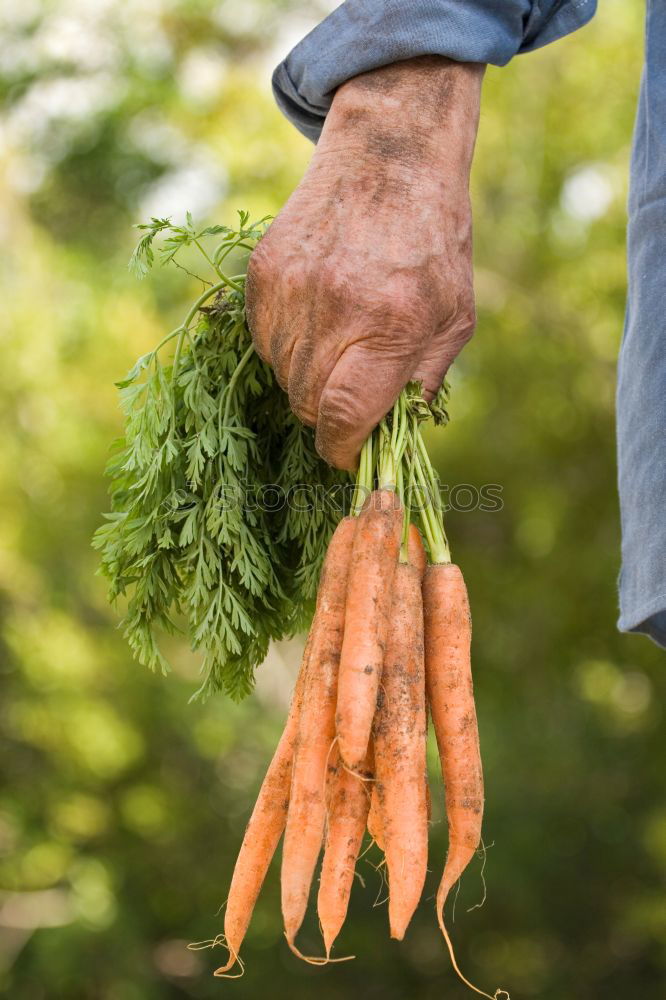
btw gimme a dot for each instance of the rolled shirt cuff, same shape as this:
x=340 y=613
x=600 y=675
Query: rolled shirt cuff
x=361 y=35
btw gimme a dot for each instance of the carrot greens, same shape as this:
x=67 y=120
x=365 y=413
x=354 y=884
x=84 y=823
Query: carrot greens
x=215 y=529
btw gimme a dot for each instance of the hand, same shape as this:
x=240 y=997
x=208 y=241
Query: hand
x=364 y=280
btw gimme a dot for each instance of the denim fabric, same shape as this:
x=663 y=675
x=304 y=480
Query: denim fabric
x=364 y=34
x=641 y=393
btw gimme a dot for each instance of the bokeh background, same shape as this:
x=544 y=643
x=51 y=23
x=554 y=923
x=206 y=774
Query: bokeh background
x=121 y=805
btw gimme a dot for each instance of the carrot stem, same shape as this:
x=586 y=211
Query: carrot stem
x=364 y=478
x=386 y=465
x=396 y=456
x=407 y=494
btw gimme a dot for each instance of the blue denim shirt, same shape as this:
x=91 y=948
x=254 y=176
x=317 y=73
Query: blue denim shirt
x=641 y=390
x=363 y=34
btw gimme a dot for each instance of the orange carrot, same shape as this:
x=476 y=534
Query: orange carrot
x=316 y=734
x=451 y=700
x=263 y=831
x=417 y=554
x=400 y=748
x=347 y=812
x=374 y=557
x=448 y=634
x=375 y=820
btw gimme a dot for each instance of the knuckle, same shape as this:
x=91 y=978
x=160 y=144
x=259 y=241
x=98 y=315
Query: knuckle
x=404 y=313
x=256 y=312
x=467 y=322
x=260 y=335
x=466 y=319
x=279 y=356
x=305 y=412
x=395 y=323
x=304 y=377
x=257 y=269
x=460 y=321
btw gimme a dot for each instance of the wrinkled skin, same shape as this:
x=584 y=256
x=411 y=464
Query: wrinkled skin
x=364 y=280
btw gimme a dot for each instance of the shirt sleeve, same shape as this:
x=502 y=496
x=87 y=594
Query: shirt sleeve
x=361 y=35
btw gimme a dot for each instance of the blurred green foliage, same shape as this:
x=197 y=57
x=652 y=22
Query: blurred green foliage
x=121 y=806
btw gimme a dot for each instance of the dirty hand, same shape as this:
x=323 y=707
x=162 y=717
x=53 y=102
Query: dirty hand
x=364 y=279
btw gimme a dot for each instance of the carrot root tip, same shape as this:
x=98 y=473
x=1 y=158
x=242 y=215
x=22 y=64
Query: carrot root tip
x=234 y=957
x=397 y=930
x=315 y=959
x=221 y=973
x=497 y=995
x=328 y=943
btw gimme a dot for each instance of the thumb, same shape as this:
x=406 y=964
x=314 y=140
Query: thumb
x=359 y=392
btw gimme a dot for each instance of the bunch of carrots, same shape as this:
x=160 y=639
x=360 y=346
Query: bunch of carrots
x=389 y=641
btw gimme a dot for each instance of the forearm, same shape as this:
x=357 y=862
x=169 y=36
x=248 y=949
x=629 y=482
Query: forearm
x=419 y=111
x=397 y=145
